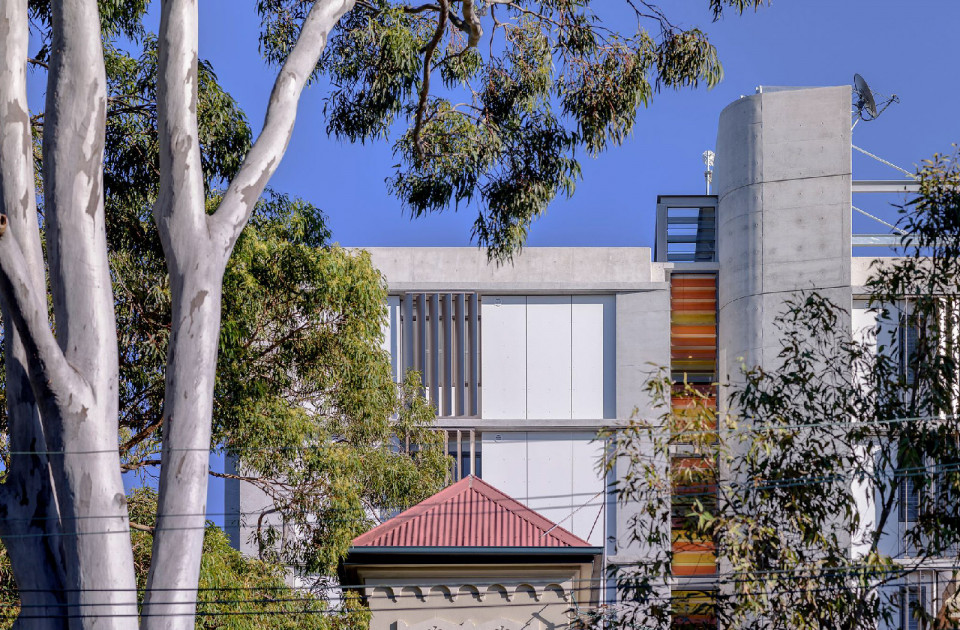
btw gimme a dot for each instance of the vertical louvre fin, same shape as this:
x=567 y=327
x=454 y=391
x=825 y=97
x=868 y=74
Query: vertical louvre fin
x=440 y=337
x=422 y=337
x=407 y=335
x=474 y=355
x=461 y=386
x=434 y=380
x=448 y=351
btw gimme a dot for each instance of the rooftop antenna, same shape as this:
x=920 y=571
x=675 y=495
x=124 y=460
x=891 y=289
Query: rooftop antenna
x=866 y=103
x=708 y=157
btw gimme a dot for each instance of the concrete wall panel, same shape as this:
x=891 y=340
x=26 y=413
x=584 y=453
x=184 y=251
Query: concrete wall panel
x=593 y=346
x=595 y=269
x=737 y=264
x=505 y=462
x=643 y=346
x=740 y=138
x=548 y=357
x=504 y=356
x=802 y=133
x=740 y=327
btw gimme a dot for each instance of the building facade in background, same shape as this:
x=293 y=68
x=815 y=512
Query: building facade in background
x=525 y=362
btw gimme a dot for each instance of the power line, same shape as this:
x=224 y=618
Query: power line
x=787 y=482
x=674 y=595
x=614 y=427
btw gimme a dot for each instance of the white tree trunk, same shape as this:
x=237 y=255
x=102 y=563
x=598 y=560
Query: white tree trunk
x=29 y=523
x=197 y=247
x=73 y=377
x=80 y=418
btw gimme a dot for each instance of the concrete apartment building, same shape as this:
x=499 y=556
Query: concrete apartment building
x=525 y=362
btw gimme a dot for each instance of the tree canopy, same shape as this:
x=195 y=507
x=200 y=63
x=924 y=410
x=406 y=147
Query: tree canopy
x=524 y=87
x=235 y=592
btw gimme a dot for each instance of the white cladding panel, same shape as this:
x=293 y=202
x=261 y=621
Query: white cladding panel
x=504 y=355
x=391 y=335
x=593 y=340
x=549 y=475
x=505 y=463
x=863 y=322
x=548 y=357
x=587 y=489
x=552 y=472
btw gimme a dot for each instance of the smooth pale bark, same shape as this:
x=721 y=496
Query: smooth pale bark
x=197 y=247
x=29 y=523
x=73 y=376
x=69 y=460
x=80 y=417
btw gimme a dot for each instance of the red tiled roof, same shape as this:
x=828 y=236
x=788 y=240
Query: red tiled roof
x=470 y=513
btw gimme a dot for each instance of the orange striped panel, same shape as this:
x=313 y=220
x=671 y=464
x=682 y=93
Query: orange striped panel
x=694 y=558
x=693 y=280
x=693 y=351
x=692 y=610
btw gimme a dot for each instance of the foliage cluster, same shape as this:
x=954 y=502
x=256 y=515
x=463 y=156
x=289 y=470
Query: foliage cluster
x=526 y=84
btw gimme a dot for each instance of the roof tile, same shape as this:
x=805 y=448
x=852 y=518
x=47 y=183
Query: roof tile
x=470 y=513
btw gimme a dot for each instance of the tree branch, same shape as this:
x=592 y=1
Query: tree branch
x=179 y=211
x=146 y=432
x=472 y=20
x=264 y=157
x=425 y=83
x=53 y=375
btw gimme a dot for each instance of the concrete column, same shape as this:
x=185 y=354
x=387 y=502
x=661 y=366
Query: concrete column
x=643 y=346
x=783 y=182
x=783 y=177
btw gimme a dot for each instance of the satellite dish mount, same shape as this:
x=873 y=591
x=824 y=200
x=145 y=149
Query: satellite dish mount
x=866 y=101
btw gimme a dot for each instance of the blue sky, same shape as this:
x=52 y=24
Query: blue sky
x=899 y=47
x=907 y=48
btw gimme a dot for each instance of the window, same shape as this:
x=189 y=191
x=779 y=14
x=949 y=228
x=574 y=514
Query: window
x=912 y=605
x=693 y=610
x=909 y=335
x=908 y=496
x=694 y=488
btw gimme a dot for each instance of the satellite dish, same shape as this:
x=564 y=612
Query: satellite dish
x=865 y=96
x=867 y=100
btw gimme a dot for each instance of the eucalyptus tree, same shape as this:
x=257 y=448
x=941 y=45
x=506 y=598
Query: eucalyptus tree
x=235 y=592
x=304 y=396
x=556 y=76
x=834 y=480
